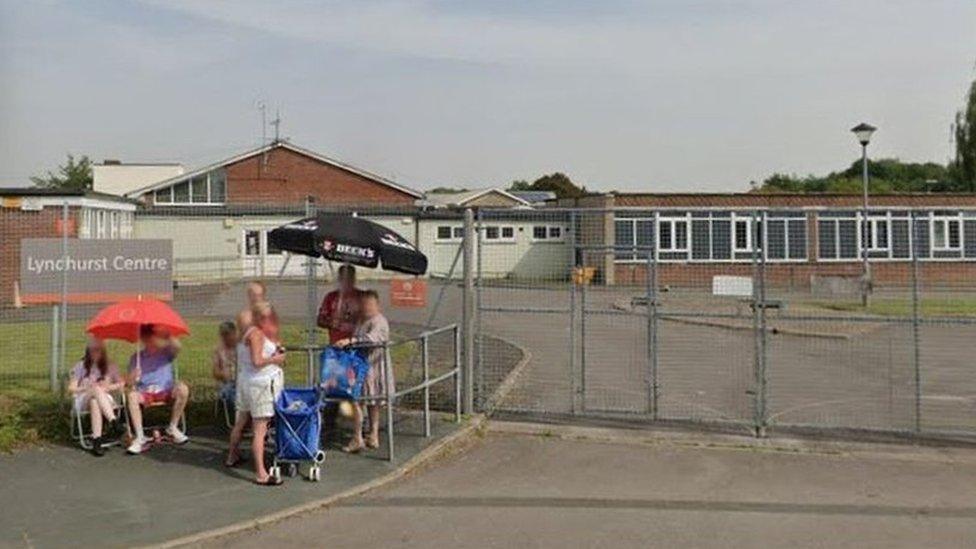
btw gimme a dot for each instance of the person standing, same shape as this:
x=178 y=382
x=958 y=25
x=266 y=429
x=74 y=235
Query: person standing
x=341 y=309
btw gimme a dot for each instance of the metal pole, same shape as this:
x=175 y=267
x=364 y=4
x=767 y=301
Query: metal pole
x=311 y=310
x=63 y=332
x=759 y=321
x=424 y=357
x=866 y=282
x=478 y=338
x=652 y=326
x=916 y=336
x=389 y=401
x=574 y=269
x=468 y=312
x=457 y=373
x=582 y=329
x=55 y=344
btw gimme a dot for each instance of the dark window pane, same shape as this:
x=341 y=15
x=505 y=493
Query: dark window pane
x=664 y=235
x=742 y=235
x=970 y=238
x=776 y=238
x=721 y=239
x=491 y=233
x=181 y=192
x=797 y=245
x=645 y=234
x=252 y=243
x=848 y=239
x=701 y=245
x=555 y=232
x=218 y=186
x=954 y=237
x=198 y=188
x=922 y=248
x=826 y=239
x=624 y=238
x=508 y=232
x=539 y=232
x=900 y=239
x=458 y=232
x=444 y=232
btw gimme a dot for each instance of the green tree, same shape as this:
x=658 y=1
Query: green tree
x=73 y=175
x=964 y=164
x=447 y=190
x=557 y=182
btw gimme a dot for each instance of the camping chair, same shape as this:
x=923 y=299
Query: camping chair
x=80 y=427
x=147 y=429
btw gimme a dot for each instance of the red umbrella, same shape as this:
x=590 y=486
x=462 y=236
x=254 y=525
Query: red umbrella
x=122 y=320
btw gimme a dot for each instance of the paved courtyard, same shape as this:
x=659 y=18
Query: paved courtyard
x=628 y=489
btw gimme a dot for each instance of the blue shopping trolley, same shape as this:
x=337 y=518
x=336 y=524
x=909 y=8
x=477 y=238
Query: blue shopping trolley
x=298 y=426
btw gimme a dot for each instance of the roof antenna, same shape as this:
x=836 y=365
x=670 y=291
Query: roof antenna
x=263 y=107
x=277 y=124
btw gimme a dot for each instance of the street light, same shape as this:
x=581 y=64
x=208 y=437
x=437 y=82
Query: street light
x=863 y=133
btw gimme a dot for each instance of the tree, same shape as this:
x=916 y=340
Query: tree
x=74 y=175
x=447 y=190
x=964 y=164
x=556 y=182
x=886 y=175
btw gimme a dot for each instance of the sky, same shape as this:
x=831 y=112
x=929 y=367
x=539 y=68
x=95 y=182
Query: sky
x=652 y=96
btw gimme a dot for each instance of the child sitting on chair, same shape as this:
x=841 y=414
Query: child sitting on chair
x=224 y=361
x=373 y=328
x=260 y=380
x=92 y=382
x=153 y=381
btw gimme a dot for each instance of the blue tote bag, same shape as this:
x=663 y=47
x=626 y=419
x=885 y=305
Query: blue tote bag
x=342 y=373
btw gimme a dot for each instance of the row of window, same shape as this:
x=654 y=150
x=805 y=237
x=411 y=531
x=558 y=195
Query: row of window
x=97 y=223
x=841 y=236
x=502 y=233
x=710 y=236
x=205 y=189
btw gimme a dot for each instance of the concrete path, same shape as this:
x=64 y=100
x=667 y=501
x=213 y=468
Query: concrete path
x=62 y=497
x=567 y=488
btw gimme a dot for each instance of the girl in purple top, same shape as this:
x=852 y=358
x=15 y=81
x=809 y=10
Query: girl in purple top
x=93 y=379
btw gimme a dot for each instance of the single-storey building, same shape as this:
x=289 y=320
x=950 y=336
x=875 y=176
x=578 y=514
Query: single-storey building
x=695 y=236
x=30 y=212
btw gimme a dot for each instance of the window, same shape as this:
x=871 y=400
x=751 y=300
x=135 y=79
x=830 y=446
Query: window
x=85 y=230
x=125 y=230
x=164 y=196
x=634 y=239
x=876 y=233
x=672 y=235
x=218 y=186
x=181 y=193
x=252 y=243
x=198 y=190
x=785 y=236
x=499 y=234
x=742 y=235
x=101 y=224
x=946 y=234
x=547 y=232
x=448 y=233
x=113 y=224
x=837 y=236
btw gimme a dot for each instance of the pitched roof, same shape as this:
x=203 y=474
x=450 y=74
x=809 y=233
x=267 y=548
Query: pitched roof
x=261 y=150
x=463 y=197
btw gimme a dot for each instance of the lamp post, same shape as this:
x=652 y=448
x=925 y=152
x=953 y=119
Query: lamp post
x=863 y=133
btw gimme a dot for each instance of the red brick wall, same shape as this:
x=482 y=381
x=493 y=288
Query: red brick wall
x=16 y=224
x=287 y=177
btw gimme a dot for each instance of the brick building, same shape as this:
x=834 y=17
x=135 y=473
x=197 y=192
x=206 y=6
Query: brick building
x=27 y=212
x=277 y=174
x=697 y=236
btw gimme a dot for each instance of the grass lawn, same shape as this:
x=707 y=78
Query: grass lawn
x=29 y=411
x=928 y=307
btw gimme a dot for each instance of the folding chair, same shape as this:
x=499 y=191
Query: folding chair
x=148 y=429
x=79 y=425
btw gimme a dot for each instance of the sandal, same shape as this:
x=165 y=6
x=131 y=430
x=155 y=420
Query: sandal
x=270 y=481
x=373 y=443
x=352 y=448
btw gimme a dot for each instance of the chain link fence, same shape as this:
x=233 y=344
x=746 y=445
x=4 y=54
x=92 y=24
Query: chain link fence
x=751 y=320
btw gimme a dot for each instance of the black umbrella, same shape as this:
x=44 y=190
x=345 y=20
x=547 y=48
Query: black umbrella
x=349 y=239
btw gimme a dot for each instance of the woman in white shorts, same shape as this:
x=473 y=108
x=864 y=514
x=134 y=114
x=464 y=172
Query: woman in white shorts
x=260 y=380
x=93 y=380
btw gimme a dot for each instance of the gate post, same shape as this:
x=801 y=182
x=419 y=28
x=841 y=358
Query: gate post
x=574 y=269
x=652 y=326
x=759 y=319
x=468 y=312
x=916 y=348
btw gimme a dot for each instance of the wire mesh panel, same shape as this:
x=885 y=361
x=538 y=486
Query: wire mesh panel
x=615 y=337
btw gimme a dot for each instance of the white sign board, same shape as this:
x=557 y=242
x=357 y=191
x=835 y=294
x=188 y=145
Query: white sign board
x=735 y=286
